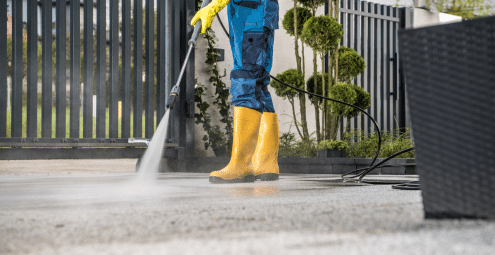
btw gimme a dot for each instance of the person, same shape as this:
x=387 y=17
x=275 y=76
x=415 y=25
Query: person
x=252 y=24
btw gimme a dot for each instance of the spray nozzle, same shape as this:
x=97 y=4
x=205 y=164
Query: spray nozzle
x=174 y=93
x=171 y=100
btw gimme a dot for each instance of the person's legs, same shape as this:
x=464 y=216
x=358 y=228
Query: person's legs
x=252 y=47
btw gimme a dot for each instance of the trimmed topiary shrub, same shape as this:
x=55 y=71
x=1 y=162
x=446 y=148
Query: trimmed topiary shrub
x=303 y=14
x=292 y=77
x=322 y=33
x=342 y=92
x=351 y=64
x=310 y=84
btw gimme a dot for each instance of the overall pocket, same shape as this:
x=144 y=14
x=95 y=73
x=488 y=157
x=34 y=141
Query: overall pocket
x=254 y=46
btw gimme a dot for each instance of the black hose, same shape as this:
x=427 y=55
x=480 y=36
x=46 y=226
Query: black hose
x=364 y=171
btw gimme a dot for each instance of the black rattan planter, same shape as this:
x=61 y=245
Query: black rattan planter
x=450 y=77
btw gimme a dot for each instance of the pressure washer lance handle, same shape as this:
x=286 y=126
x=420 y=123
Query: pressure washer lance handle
x=197 y=29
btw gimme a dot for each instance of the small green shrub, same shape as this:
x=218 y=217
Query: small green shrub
x=291 y=148
x=363 y=145
x=303 y=14
x=333 y=145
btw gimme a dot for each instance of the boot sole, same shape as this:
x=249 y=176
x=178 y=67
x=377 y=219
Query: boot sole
x=249 y=178
x=267 y=177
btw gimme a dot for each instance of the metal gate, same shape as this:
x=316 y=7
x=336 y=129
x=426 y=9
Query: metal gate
x=101 y=101
x=372 y=30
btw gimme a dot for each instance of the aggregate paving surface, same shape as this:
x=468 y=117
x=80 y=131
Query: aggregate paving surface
x=106 y=211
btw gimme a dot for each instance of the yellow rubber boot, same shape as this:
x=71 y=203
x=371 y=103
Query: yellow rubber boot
x=265 y=159
x=207 y=14
x=240 y=168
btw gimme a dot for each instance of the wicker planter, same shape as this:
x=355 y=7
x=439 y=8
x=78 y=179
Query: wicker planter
x=452 y=115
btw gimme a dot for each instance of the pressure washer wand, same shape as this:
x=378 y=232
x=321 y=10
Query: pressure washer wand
x=174 y=93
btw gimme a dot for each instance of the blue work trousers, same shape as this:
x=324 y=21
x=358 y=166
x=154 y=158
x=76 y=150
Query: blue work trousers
x=252 y=25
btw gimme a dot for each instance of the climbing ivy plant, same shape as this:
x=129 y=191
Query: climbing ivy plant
x=214 y=137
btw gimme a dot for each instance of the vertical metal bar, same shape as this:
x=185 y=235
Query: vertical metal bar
x=378 y=71
x=75 y=67
x=352 y=44
x=114 y=70
x=386 y=70
x=88 y=70
x=344 y=21
x=166 y=55
x=150 y=75
x=3 y=68
x=101 y=68
x=46 y=70
x=32 y=69
x=188 y=132
x=395 y=67
x=381 y=73
x=176 y=65
x=179 y=111
x=169 y=55
x=373 y=63
x=162 y=64
x=366 y=56
x=126 y=68
x=61 y=78
x=390 y=70
x=17 y=42
x=360 y=50
x=138 y=68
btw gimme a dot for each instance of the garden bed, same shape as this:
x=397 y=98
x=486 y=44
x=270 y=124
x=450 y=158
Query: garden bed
x=302 y=165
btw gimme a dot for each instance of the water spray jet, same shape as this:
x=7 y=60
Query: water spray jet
x=151 y=159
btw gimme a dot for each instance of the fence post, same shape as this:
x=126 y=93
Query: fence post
x=75 y=67
x=61 y=80
x=46 y=70
x=32 y=69
x=101 y=70
x=3 y=69
x=88 y=70
x=114 y=70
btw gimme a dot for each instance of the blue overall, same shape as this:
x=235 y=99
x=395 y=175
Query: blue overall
x=252 y=24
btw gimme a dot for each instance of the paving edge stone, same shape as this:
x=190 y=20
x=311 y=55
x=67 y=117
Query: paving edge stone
x=299 y=165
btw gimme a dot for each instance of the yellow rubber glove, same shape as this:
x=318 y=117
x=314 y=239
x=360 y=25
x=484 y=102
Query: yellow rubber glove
x=207 y=14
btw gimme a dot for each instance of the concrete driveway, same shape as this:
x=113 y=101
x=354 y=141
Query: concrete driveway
x=98 y=207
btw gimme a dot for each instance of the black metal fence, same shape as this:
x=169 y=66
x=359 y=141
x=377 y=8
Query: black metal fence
x=100 y=98
x=115 y=103
x=372 y=30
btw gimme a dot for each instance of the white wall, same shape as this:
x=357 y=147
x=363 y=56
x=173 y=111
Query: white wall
x=423 y=18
